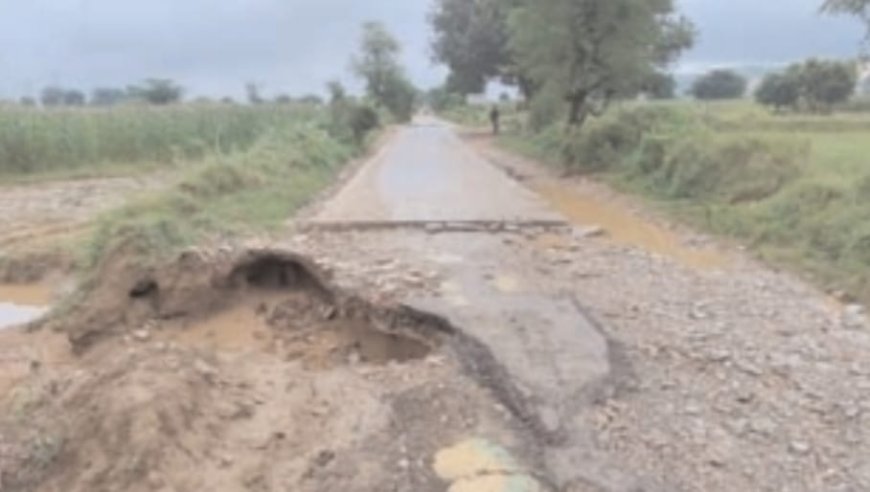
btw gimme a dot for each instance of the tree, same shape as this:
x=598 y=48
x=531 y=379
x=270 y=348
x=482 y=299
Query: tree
x=378 y=66
x=74 y=98
x=27 y=102
x=157 y=91
x=471 y=38
x=589 y=51
x=283 y=99
x=719 y=84
x=336 y=91
x=859 y=8
x=252 y=91
x=311 y=99
x=825 y=83
x=378 y=60
x=659 y=85
x=52 y=96
x=780 y=90
x=107 y=96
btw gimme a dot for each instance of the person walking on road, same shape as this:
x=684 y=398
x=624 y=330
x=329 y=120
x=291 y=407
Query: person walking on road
x=494 y=117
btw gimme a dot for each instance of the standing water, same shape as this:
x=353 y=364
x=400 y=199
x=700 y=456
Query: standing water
x=20 y=304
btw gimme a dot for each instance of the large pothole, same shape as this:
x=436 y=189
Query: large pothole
x=269 y=301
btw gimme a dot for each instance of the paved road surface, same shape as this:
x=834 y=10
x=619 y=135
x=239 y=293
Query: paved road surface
x=426 y=174
x=553 y=353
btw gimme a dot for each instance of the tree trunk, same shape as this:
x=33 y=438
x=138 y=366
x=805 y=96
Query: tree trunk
x=578 y=111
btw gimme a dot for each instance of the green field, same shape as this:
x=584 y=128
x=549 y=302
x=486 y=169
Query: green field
x=795 y=187
x=237 y=170
x=95 y=140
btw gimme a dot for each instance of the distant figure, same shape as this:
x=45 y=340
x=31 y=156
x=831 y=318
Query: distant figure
x=494 y=117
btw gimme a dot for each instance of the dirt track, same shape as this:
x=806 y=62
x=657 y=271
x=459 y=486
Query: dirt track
x=560 y=356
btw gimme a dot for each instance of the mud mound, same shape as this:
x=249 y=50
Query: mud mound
x=216 y=372
x=287 y=292
x=108 y=431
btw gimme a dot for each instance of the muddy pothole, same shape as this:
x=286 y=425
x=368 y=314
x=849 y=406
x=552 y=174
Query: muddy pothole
x=261 y=301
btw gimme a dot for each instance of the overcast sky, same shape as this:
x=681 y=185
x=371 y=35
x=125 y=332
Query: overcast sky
x=214 y=46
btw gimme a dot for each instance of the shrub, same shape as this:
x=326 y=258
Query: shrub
x=719 y=84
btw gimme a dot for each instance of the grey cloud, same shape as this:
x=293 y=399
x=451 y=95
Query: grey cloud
x=214 y=46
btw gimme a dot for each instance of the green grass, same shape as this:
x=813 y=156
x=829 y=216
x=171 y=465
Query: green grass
x=795 y=187
x=76 y=141
x=226 y=195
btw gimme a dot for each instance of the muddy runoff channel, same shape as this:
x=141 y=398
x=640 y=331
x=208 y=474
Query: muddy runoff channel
x=251 y=371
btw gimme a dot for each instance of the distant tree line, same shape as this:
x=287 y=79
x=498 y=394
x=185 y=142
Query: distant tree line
x=158 y=92
x=151 y=91
x=814 y=85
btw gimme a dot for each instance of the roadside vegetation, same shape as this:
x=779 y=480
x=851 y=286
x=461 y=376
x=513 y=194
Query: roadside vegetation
x=786 y=173
x=233 y=169
x=71 y=140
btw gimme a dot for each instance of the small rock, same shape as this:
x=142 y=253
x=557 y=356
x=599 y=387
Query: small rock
x=692 y=409
x=550 y=419
x=141 y=335
x=800 y=448
x=588 y=232
x=206 y=370
x=719 y=355
x=404 y=464
x=855 y=317
x=226 y=461
x=324 y=458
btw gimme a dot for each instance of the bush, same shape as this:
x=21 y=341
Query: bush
x=730 y=169
x=780 y=90
x=718 y=85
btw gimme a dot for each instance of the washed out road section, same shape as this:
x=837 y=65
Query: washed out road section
x=550 y=351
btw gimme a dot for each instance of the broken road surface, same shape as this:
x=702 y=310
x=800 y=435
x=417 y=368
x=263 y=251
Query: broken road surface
x=427 y=198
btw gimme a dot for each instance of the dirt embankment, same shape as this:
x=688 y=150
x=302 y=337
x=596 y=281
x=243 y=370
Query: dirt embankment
x=39 y=219
x=237 y=371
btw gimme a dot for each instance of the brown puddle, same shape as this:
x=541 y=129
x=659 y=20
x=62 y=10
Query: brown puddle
x=21 y=304
x=624 y=226
x=295 y=326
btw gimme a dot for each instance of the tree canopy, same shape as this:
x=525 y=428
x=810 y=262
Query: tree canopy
x=860 y=8
x=588 y=51
x=825 y=83
x=471 y=39
x=377 y=64
x=719 y=84
x=107 y=96
x=157 y=91
x=780 y=90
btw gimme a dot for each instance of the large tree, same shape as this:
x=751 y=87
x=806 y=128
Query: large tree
x=718 y=85
x=825 y=83
x=860 y=8
x=471 y=38
x=780 y=90
x=157 y=91
x=589 y=51
x=107 y=96
x=378 y=66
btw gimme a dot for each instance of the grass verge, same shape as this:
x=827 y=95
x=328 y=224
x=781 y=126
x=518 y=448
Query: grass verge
x=241 y=193
x=795 y=188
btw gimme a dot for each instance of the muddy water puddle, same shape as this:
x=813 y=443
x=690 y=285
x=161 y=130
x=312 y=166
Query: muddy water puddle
x=294 y=327
x=21 y=304
x=624 y=226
